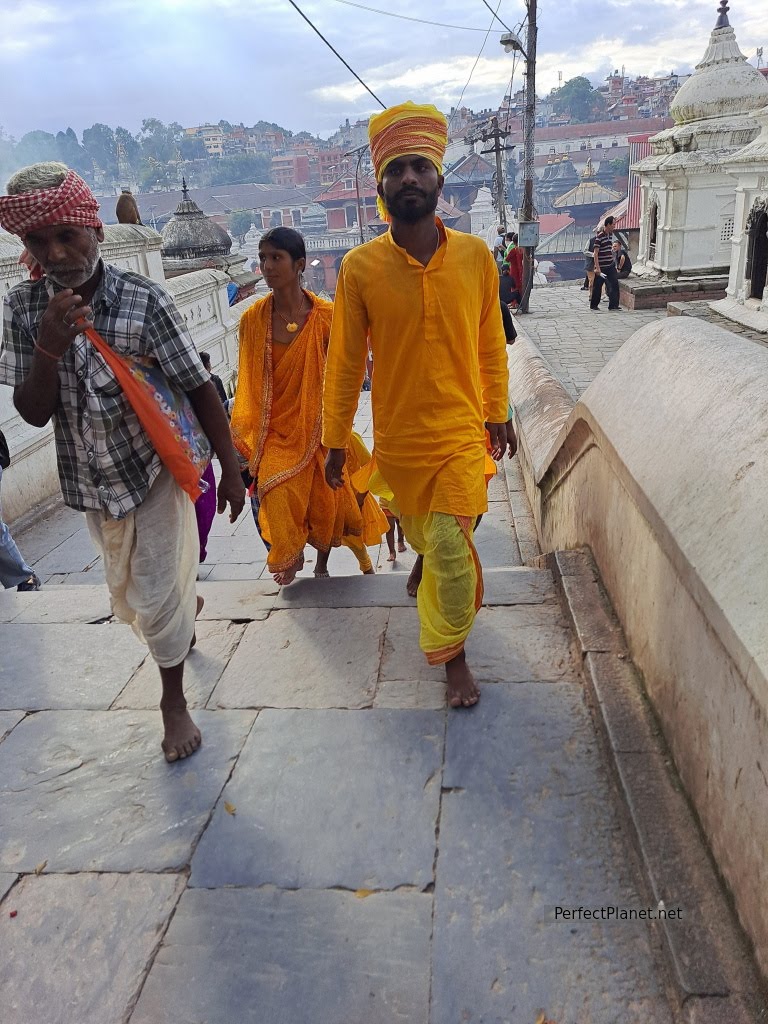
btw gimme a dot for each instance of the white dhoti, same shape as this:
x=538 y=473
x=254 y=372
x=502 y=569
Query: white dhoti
x=150 y=562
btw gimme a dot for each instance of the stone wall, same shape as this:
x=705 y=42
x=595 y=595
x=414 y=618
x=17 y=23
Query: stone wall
x=660 y=469
x=202 y=300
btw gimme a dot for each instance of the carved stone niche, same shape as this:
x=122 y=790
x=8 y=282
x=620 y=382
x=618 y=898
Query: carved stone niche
x=756 y=267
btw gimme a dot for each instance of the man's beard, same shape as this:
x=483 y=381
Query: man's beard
x=401 y=207
x=76 y=276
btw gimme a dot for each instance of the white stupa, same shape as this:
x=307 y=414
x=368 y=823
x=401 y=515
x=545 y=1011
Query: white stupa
x=688 y=196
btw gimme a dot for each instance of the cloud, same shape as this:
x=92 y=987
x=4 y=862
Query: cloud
x=75 y=62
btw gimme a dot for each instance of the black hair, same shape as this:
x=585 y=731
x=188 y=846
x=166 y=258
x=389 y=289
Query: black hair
x=288 y=240
x=206 y=360
x=609 y=220
x=511 y=236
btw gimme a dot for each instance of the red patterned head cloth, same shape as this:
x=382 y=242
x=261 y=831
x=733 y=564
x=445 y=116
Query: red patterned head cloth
x=71 y=202
x=406 y=128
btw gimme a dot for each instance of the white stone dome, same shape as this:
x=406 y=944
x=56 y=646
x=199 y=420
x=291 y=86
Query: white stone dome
x=723 y=84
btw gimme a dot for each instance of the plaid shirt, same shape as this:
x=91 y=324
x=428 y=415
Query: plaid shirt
x=105 y=460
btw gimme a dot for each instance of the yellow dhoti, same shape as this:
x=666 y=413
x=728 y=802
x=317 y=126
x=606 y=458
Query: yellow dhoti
x=451 y=590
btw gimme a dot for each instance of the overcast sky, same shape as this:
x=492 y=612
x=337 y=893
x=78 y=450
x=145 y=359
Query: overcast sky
x=75 y=63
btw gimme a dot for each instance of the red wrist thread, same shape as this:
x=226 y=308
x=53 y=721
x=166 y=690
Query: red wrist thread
x=47 y=353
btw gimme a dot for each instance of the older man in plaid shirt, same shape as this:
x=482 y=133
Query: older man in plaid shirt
x=137 y=514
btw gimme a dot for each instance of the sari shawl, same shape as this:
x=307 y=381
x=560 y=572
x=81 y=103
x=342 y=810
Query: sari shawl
x=276 y=426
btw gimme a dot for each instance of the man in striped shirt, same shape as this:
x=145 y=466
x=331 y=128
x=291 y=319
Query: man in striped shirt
x=605 y=268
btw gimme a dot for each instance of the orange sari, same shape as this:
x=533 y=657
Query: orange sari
x=276 y=426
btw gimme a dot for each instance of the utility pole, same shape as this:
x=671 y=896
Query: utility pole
x=529 y=124
x=497 y=134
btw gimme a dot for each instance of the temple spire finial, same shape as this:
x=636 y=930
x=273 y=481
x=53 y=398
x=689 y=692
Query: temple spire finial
x=184 y=189
x=722 y=15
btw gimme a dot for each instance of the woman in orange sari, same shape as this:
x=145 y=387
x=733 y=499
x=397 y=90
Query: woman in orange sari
x=277 y=415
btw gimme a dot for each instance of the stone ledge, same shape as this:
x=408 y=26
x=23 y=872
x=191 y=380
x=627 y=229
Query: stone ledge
x=709 y=957
x=637 y=293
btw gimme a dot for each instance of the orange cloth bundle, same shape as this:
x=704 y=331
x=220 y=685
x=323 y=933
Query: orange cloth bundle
x=165 y=415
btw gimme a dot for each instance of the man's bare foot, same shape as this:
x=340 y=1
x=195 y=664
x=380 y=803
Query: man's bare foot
x=414 y=580
x=462 y=688
x=289 y=575
x=401 y=546
x=391 y=557
x=182 y=737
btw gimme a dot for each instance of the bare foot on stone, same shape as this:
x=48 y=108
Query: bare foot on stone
x=391 y=557
x=401 y=546
x=414 y=580
x=289 y=575
x=182 y=737
x=463 y=691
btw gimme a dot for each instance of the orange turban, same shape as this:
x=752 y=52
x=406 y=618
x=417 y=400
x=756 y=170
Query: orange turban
x=407 y=128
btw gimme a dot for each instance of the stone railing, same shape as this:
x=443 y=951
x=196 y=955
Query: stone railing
x=202 y=300
x=660 y=469
x=321 y=243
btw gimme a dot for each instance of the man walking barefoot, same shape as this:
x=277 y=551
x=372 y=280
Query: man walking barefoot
x=139 y=517
x=429 y=297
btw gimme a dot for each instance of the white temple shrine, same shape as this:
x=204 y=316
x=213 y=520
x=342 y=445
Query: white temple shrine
x=688 y=193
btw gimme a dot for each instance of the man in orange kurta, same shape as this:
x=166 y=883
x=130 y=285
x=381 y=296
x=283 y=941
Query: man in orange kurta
x=427 y=298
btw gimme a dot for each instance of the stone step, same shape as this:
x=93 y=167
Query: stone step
x=250 y=600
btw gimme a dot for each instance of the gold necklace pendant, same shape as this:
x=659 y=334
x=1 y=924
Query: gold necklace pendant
x=292 y=328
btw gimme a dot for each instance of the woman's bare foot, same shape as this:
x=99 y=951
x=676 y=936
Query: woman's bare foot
x=369 y=572
x=401 y=546
x=289 y=575
x=391 y=557
x=462 y=688
x=414 y=580
x=321 y=568
x=182 y=737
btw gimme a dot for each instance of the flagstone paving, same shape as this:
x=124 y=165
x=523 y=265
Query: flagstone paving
x=343 y=849
x=576 y=342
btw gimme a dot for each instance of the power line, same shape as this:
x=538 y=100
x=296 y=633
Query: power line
x=477 y=59
x=405 y=17
x=334 y=50
x=496 y=14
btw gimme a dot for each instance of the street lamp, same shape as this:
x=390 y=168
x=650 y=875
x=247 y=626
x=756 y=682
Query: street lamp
x=511 y=42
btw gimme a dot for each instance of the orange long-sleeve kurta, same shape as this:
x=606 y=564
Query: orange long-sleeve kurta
x=440 y=367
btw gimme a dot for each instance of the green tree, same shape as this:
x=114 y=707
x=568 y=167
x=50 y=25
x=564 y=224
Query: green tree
x=160 y=141
x=35 y=147
x=225 y=126
x=240 y=223
x=7 y=155
x=192 y=149
x=73 y=154
x=238 y=170
x=100 y=145
x=578 y=100
x=620 y=167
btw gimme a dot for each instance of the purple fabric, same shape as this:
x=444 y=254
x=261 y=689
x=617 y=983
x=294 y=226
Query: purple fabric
x=205 y=510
